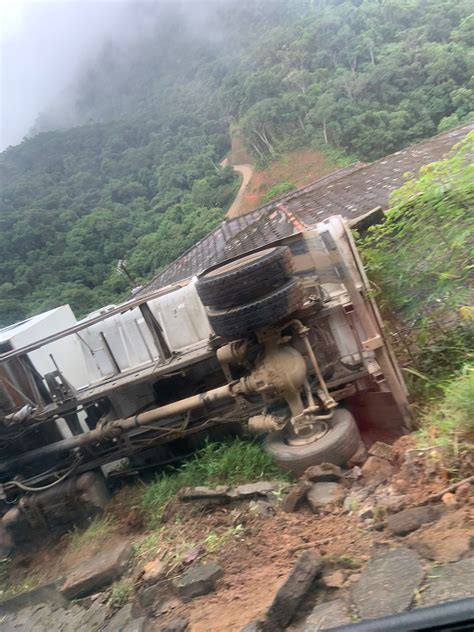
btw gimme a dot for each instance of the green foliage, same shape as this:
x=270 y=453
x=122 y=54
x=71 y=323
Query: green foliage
x=421 y=256
x=215 y=541
x=277 y=190
x=420 y=259
x=120 y=593
x=231 y=463
x=136 y=176
x=450 y=418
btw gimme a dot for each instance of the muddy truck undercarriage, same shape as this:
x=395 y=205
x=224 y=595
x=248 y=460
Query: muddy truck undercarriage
x=284 y=341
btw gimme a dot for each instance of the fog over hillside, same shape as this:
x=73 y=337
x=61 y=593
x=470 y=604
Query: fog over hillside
x=47 y=46
x=129 y=108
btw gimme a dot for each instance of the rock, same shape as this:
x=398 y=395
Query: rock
x=463 y=492
x=204 y=493
x=450 y=582
x=251 y=490
x=358 y=457
x=166 y=605
x=449 y=499
x=222 y=494
x=149 y=595
x=97 y=572
x=193 y=554
x=295 y=496
x=335 y=579
x=381 y=450
x=323 y=494
x=366 y=513
x=45 y=593
x=198 y=580
x=177 y=625
x=443 y=542
x=261 y=507
x=387 y=583
x=292 y=592
x=355 y=473
x=400 y=485
x=323 y=473
x=153 y=570
x=327 y=615
x=136 y=625
x=96 y=615
x=376 y=470
x=253 y=626
x=354 y=501
x=409 y=520
x=395 y=504
x=352 y=579
x=119 y=619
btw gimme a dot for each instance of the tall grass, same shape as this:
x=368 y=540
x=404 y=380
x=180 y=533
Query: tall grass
x=228 y=463
x=451 y=419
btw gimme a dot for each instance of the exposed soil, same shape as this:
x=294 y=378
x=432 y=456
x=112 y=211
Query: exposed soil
x=256 y=551
x=246 y=171
x=298 y=168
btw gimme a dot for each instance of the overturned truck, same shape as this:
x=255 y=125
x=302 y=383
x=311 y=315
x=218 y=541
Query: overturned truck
x=284 y=341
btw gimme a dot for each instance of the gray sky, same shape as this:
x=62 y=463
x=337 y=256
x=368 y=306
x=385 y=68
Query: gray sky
x=43 y=43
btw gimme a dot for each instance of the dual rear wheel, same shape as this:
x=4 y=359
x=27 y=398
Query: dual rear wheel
x=257 y=291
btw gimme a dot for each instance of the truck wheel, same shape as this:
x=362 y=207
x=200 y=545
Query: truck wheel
x=337 y=446
x=237 y=322
x=245 y=279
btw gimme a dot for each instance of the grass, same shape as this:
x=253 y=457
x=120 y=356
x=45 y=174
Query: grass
x=215 y=541
x=278 y=189
x=148 y=545
x=121 y=593
x=9 y=587
x=230 y=463
x=451 y=418
x=98 y=531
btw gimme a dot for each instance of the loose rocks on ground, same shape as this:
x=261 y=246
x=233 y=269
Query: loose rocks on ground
x=387 y=583
x=98 y=571
x=381 y=450
x=409 y=520
x=323 y=473
x=198 y=580
x=177 y=625
x=323 y=494
x=292 y=592
x=376 y=470
x=327 y=615
x=296 y=496
x=450 y=582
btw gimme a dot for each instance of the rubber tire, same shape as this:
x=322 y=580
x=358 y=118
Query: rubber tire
x=246 y=278
x=337 y=446
x=237 y=322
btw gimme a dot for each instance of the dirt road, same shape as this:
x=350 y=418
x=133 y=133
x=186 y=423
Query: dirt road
x=246 y=171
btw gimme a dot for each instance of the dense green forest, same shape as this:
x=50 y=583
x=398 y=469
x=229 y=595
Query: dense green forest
x=129 y=167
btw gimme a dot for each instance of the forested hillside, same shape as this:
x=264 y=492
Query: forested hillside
x=128 y=167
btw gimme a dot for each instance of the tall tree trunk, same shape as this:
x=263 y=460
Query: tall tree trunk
x=259 y=152
x=371 y=53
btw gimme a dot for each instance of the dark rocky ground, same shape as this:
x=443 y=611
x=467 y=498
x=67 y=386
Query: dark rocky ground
x=335 y=548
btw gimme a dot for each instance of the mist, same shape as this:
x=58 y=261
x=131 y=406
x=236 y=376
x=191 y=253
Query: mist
x=45 y=45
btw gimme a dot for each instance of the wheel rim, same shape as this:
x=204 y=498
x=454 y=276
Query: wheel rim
x=309 y=435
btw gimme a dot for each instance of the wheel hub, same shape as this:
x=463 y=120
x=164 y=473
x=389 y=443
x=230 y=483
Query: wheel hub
x=309 y=434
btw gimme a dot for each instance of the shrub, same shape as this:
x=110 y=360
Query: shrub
x=278 y=189
x=450 y=420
